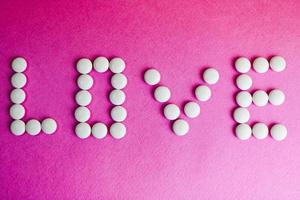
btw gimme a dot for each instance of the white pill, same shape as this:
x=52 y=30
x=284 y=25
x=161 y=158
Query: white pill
x=192 y=109
x=117 y=97
x=260 y=98
x=260 y=131
x=33 y=127
x=49 y=126
x=101 y=64
x=85 y=82
x=277 y=63
x=261 y=65
x=83 y=130
x=203 y=93
x=17 y=127
x=84 y=66
x=152 y=76
x=276 y=97
x=243 y=131
x=243 y=99
x=83 y=98
x=211 y=76
x=162 y=94
x=82 y=114
x=119 y=81
x=180 y=127
x=241 y=115
x=117 y=65
x=278 y=132
x=244 y=82
x=118 y=113
x=117 y=130
x=18 y=80
x=242 y=65
x=17 y=111
x=17 y=96
x=171 y=111
x=99 y=130
x=19 y=64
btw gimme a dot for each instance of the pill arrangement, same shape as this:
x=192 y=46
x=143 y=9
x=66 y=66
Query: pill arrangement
x=117 y=97
x=259 y=98
x=191 y=109
x=17 y=111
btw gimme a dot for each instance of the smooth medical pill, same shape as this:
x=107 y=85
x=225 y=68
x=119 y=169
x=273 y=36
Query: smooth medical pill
x=101 y=64
x=118 y=113
x=82 y=114
x=260 y=98
x=117 y=130
x=83 y=130
x=17 y=96
x=171 y=111
x=152 y=76
x=243 y=131
x=211 y=76
x=277 y=63
x=33 y=127
x=18 y=80
x=276 y=97
x=278 y=132
x=49 y=126
x=17 y=127
x=180 y=127
x=244 y=82
x=162 y=94
x=19 y=64
x=117 y=97
x=84 y=66
x=203 y=93
x=242 y=65
x=243 y=99
x=261 y=65
x=192 y=109
x=260 y=130
x=99 y=130
x=85 y=82
x=83 y=98
x=117 y=65
x=17 y=111
x=119 y=81
x=241 y=115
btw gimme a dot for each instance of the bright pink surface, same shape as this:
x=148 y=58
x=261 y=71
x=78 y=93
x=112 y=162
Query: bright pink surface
x=180 y=38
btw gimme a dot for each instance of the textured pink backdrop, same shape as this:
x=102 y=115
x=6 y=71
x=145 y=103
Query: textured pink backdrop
x=180 y=38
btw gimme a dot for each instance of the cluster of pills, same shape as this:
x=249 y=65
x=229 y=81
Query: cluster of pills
x=259 y=98
x=191 y=109
x=17 y=111
x=117 y=97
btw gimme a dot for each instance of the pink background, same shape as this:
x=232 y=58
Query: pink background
x=180 y=38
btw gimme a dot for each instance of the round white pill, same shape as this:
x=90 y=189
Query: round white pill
x=260 y=131
x=243 y=99
x=241 y=115
x=85 y=82
x=162 y=94
x=152 y=76
x=18 y=80
x=277 y=63
x=260 y=98
x=117 y=65
x=278 y=132
x=82 y=114
x=192 y=109
x=17 y=96
x=244 y=82
x=242 y=65
x=171 y=111
x=261 y=65
x=84 y=66
x=118 y=113
x=119 y=81
x=49 y=126
x=17 y=111
x=101 y=64
x=19 y=64
x=203 y=93
x=180 y=127
x=17 y=127
x=211 y=76
x=33 y=127
x=276 y=97
x=99 y=130
x=117 y=97
x=83 y=98
x=117 y=130
x=83 y=130
x=243 y=131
